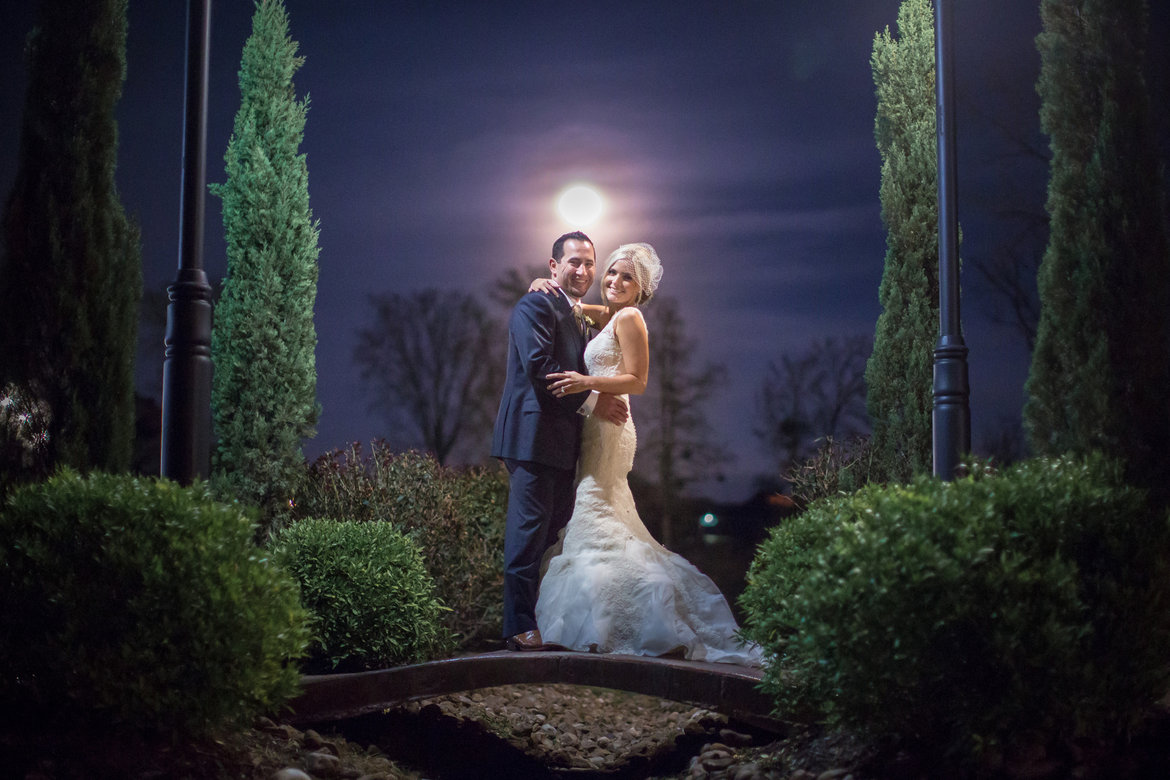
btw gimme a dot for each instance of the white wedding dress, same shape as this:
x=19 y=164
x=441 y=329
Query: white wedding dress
x=609 y=586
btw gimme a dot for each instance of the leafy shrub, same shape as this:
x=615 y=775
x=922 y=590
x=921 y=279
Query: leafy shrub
x=963 y=613
x=836 y=467
x=456 y=517
x=371 y=598
x=137 y=602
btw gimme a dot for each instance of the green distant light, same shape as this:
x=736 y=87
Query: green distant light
x=708 y=520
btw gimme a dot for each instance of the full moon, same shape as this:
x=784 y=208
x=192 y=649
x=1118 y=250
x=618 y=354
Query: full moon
x=580 y=205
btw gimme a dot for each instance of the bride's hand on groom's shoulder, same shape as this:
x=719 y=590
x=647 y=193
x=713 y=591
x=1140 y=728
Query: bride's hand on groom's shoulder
x=545 y=285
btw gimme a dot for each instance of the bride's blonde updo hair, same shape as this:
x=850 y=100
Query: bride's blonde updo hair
x=647 y=268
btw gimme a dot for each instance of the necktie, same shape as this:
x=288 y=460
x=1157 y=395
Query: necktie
x=580 y=317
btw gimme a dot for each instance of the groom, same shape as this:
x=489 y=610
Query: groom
x=537 y=435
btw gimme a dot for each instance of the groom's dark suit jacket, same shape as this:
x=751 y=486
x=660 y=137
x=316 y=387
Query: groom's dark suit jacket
x=533 y=424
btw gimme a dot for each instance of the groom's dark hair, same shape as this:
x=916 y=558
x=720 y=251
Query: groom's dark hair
x=559 y=244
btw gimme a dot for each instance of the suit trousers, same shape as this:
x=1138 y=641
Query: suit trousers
x=540 y=503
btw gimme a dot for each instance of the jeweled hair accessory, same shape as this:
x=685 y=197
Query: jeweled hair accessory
x=647 y=266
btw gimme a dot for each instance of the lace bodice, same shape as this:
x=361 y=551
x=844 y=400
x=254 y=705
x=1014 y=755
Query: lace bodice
x=607 y=450
x=603 y=355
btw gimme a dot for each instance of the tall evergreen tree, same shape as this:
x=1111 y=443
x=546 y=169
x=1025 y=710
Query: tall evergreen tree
x=1101 y=367
x=264 y=394
x=71 y=275
x=898 y=375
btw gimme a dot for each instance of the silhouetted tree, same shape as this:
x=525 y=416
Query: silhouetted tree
x=1101 y=367
x=676 y=444
x=816 y=394
x=1021 y=230
x=1011 y=272
x=264 y=395
x=433 y=362
x=509 y=286
x=71 y=275
x=1004 y=442
x=899 y=373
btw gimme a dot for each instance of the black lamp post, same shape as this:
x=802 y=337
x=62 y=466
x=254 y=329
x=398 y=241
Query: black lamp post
x=952 y=413
x=186 y=397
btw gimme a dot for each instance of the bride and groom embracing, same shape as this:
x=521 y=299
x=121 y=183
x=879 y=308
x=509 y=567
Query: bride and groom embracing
x=607 y=585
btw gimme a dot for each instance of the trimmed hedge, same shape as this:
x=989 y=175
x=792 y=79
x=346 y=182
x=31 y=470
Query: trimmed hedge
x=455 y=515
x=960 y=614
x=371 y=598
x=137 y=602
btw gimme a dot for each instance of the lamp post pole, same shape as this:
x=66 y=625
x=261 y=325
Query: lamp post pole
x=952 y=413
x=186 y=397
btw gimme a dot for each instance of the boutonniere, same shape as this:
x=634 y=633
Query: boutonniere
x=589 y=321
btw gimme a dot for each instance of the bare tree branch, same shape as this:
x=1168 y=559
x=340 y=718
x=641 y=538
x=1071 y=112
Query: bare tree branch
x=432 y=361
x=819 y=393
x=1011 y=268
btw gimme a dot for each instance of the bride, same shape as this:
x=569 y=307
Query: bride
x=609 y=586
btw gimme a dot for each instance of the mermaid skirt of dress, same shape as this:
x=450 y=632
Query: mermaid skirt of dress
x=612 y=588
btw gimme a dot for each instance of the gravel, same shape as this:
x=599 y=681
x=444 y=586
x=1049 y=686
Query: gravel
x=565 y=731
x=545 y=731
x=558 y=730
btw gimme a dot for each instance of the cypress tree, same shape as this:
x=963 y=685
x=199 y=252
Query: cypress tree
x=1101 y=366
x=264 y=397
x=71 y=277
x=898 y=375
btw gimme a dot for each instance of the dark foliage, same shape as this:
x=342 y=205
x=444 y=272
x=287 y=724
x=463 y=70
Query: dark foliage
x=70 y=277
x=264 y=395
x=137 y=603
x=368 y=591
x=975 y=615
x=1101 y=365
x=455 y=515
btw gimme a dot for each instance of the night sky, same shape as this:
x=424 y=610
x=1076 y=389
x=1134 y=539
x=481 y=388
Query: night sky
x=737 y=137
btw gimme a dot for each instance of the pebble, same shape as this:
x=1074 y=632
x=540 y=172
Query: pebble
x=729 y=737
x=314 y=741
x=322 y=764
x=289 y=773
x=748 y=771
x=835 y=774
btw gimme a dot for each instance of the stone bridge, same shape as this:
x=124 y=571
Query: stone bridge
x=724 y=688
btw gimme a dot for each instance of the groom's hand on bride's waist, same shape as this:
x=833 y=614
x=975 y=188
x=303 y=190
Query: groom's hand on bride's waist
x=612 y=409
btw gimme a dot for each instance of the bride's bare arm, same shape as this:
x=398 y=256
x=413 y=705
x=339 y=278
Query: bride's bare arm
x=599 y=314
x=630 y=329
